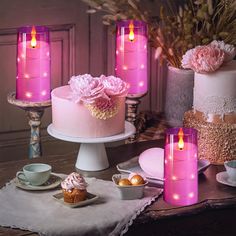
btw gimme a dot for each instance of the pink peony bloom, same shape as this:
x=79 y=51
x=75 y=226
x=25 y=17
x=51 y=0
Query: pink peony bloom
x=229 y=49
x=203 y=59
x=186 y=60
x=114 y=86
x=86 y=88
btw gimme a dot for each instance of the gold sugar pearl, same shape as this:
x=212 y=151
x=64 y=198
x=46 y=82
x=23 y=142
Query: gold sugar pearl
x=137 y=180
x=124 y=182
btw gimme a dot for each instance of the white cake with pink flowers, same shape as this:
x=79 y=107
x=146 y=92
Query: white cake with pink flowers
x=90 y=107
x=214 y=100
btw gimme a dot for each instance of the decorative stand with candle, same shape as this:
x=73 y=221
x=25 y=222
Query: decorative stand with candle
x=131 y=64
x=33 y=79
x=34 y=112
x=180 y=167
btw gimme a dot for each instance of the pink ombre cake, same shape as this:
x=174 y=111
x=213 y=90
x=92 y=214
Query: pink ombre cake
x=90 y=106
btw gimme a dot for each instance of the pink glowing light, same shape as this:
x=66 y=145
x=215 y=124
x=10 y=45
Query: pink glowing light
x=174 y=178
x=176 y=196
x=191 y=195
x=44 y=93
x=131 y=60
x=180 y=173
x=28 y=94
x=33 y=64
x=141 y=84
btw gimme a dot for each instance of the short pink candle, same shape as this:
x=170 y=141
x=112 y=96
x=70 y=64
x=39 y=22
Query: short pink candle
x=131 y=55
x=180 y=167
x=33 y=64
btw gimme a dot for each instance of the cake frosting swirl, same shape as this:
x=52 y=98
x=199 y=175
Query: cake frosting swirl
x=74 y=180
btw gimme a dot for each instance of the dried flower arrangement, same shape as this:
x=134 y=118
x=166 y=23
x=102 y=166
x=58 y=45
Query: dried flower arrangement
x=177 y=28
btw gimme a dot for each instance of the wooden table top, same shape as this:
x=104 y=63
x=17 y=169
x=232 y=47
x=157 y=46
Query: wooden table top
x=213 y=196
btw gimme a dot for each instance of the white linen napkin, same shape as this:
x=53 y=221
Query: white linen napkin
x=37 y=211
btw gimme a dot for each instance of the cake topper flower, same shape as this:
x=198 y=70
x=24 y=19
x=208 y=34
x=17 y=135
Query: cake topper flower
x=98 y=94
x=229 y=49
x=114 y=86
x=86 y=88
x=205 y=59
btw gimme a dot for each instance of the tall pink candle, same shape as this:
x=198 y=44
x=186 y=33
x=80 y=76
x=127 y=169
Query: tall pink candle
x=33 y=64
x=131 y=55
x=180 y=167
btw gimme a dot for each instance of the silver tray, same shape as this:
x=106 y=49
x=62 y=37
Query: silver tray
x=132 y=165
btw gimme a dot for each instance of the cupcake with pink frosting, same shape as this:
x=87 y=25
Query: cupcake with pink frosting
x=74 y=188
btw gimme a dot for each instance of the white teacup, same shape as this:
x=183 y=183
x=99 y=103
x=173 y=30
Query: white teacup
x=230 y=167
x=34 y=174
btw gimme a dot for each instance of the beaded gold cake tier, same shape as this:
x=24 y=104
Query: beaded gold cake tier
x=216 y=139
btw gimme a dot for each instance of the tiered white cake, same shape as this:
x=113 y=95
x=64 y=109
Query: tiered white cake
x=214 y=113
x=214 y=100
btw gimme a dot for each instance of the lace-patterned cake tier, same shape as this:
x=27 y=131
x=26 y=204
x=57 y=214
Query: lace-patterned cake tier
x=215 y=104
x=216 y=141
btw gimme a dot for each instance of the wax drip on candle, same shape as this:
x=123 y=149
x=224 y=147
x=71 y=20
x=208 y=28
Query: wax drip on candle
x=33 y=37
x=181 y=140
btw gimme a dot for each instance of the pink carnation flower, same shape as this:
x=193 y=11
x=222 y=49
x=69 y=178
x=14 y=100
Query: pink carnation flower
x=203 y=59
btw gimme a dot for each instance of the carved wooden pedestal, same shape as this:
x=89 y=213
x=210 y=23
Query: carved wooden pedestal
x=34 y=112
x=132 y=115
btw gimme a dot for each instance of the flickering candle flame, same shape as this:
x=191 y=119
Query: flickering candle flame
x=33 y=37
x=181 y=140
x=131 y=31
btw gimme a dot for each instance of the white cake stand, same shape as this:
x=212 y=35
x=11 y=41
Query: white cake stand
x=92 y=153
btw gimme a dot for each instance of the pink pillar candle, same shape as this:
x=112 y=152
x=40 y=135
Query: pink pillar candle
x=33 y=64
x=131 y=55
x=180 y=167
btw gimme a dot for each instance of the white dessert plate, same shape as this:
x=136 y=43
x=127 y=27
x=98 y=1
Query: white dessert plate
x=53 y=182
x=223 y=178
x=90 y=199
x=133 y=166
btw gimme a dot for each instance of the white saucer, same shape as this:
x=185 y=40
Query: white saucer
x=53 y=182
x=223 y=178
x=90 y=199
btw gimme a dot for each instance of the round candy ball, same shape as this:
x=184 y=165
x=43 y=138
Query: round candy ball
x=124 y=182
x=137 y=180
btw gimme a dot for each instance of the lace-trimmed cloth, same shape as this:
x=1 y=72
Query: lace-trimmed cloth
x=39 y=212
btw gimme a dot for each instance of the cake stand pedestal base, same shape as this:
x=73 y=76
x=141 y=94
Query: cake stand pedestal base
x=92 y=154
x=92 y=157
